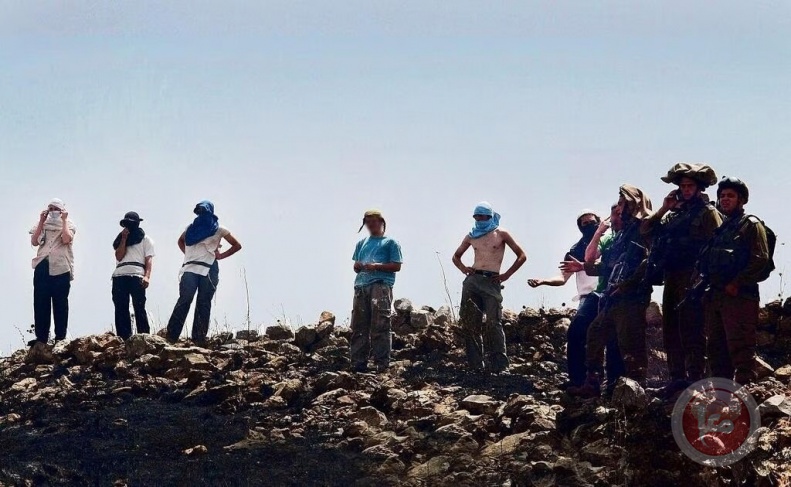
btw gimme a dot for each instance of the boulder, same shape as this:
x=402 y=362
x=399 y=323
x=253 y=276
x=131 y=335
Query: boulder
x=510 y=316
x=324 y=330
x=371 y=416
x=289 y=390
x=248 y=335
x=139 y=345
x=784 y=372
x=195 y=361
x=403 y=306
x=775 y=406
x=306 y=337
x=280 y=331
x=421 y=319
x=763 y=369
x=629 y=394
x=327 y=317
x=443 y=316
x=653 y=315
x=480 y=404
x=507 y=446
x=40 y=353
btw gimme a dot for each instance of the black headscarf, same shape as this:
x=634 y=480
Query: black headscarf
x=136 y=235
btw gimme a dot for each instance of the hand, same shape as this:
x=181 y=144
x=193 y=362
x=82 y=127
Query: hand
x=64 y=215
x=605 y=225
x=44 y=215
x=358 y=266
x=218 y=255
x=371 y=267
x=468 y=271
x=671 y=201
x=572 y=266
x=732 y=290
x=124 y=233
x=534 y=283
x=502 y=277
x=146 y=282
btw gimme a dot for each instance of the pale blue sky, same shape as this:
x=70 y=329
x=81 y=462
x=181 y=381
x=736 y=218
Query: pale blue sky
x=296 y=116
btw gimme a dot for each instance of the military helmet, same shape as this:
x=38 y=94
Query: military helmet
x=701 y=173
x=735 y=184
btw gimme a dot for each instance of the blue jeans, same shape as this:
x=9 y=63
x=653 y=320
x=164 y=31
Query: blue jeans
x=205 y=287
x=587 y=312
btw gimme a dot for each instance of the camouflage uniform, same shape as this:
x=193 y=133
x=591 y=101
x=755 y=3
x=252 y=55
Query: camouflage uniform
x=679 y=237
x=370 y=325
x=623 y=315
x=738 y=253
x=482 y=294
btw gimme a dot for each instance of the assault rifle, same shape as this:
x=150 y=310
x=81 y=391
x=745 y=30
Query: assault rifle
x=696 y=292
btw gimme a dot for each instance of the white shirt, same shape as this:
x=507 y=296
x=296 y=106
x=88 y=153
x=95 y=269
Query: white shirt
x=199 y=258
x=60 y=255
x=135 y=254
x=585 y=284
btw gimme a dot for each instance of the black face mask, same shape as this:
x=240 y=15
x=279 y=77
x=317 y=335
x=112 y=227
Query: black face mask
x=588 y=230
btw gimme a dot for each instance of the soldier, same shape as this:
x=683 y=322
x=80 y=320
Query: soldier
x=625 y=300
x=588 y=223
x=482 y=291
x=377 y=259
x=680 y=230
x=735 y=261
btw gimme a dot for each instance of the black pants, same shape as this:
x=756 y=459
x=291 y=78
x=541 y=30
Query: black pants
x=50 y=298
x=205 y=286
x=124 y=288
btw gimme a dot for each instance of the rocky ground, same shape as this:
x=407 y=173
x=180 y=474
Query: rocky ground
x=281 y=409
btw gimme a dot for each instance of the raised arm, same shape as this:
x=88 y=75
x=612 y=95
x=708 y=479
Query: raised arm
x=592 y=252
x=235 y=247
x=465 y=245
x=120 y=252
x=66 y=234
x=521 y=257
x=35 y=238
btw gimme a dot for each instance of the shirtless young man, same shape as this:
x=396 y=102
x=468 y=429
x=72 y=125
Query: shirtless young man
x=482 y=291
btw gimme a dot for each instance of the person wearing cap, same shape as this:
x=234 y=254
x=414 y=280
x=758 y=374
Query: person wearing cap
x=587 y=223
x=134 y=255
x=679 y=231
x=53 y=266
x=200 y=243
x=377 y=259
x=735 y=261
x=625 y=299
x=482 y=290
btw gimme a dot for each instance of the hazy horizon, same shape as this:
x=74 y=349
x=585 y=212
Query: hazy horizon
x=294 y=118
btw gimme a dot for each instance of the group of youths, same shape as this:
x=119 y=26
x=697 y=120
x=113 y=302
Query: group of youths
x=710 y=257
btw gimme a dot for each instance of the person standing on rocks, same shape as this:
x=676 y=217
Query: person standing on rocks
x=735 y=262
x=134 y=255
x=625 y=300
x=377 y=259
x=680 y=229
x=588 y=222
x=482 y=290
x=53 y=270
x=597 y=253
x=200 y=274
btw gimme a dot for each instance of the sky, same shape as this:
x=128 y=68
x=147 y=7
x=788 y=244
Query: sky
x=294 y=117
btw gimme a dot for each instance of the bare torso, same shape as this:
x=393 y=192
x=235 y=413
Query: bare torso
x=489 y=252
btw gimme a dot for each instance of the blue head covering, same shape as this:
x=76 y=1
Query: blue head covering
x=205 y=225
x=487 y=226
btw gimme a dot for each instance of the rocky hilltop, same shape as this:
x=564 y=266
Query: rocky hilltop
x=281 y=409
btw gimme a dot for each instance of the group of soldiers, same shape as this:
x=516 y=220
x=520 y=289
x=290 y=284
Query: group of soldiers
x=709 y=256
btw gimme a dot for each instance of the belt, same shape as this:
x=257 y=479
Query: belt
x=485 y=273
x=135 y=264
x=195 y=262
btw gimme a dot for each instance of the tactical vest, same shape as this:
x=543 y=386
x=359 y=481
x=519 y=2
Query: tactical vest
x=627 y=254
x=727 y=253
x=682 y=239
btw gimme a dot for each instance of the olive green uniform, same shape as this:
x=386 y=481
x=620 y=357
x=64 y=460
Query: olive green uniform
x=484 y=339
x=738 y=254
x=679 y=237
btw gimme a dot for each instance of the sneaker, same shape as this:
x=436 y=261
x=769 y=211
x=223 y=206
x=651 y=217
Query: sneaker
x=591 y=388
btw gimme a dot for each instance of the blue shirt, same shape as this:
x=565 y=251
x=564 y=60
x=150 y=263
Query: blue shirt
x=377 y=250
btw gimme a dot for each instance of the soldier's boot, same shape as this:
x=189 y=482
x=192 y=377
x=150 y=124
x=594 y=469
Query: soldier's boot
x=591 y=387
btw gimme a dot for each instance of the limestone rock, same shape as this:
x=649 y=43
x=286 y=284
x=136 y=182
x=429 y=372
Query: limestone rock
x=248 y=335
x=775 y=406
x=443 y=316
x=421 y=319
x=305 y=337
x=40 y=353
x=653 y=315
x=629 y=394
x=480 y=404
x=763 y=369
x=784 y=372
x=279 y=331
x=139 y=345
x=327 y=317
x=403 y=306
